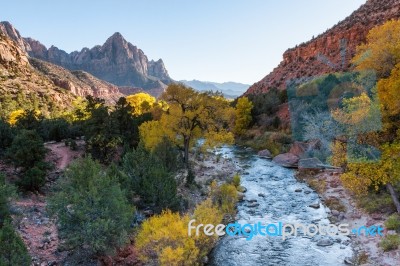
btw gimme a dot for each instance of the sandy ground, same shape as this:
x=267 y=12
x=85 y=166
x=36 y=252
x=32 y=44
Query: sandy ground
x=356 y=218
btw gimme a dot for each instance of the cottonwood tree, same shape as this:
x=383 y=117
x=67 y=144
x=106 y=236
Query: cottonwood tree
x=242 y=115
x=381 y=52
x=191 y=115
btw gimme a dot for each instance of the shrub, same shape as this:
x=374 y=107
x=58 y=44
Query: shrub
x=92 y=210
x=55 y=129
x=6 y=191
x=12 y=248
x=168 y=155
x=376 y=202
x=150 y=179
x=163 y=240
x=393 y=222
x=224 y=196
x=33 y=179
x=190 y=178
x=159 y=188
x=390 y=242
x=27 y=149
x=236 y=180
x=6 y=136
x=206 y=213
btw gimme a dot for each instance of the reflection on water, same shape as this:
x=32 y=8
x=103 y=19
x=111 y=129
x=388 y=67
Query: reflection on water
x=279 y=197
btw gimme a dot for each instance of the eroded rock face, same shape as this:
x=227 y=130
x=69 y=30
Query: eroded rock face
x=303 y=60
x=14 y=57
x=11 y=54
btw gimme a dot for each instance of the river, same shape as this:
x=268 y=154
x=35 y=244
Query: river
x=274 y=189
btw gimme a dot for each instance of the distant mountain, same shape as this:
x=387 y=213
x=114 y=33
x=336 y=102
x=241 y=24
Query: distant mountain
x=229 y=89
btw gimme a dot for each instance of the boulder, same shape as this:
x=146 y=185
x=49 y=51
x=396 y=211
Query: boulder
x=298 y=148
x=265 y=154
x=301 y=149
x=310 y=164
x=288 y=160
x=252 y=205
x=314 y=206
x=325 y=242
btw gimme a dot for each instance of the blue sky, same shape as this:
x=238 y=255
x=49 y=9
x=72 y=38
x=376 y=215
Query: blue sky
x=211 y=40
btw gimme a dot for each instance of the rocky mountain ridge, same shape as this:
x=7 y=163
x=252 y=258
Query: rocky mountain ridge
x=116 y=61
x=322 y=54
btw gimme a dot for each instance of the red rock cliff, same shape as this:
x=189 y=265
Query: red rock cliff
x=304 y=60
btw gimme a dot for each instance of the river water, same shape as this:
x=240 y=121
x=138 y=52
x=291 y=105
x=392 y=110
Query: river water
x=273 y=187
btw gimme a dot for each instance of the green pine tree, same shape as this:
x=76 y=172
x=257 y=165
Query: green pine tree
x=92 y=209
x=12 y=249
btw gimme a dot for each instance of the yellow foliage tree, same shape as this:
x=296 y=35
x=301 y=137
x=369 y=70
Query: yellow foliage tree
x=191 y=115
x=388 y=90
x=243 y=115
x=151 y=133
x=382 y=50
x=362 y=176
x=355 y=110
x=14 y=116
x=163 y=240
x=141 y=102
x=339 y=154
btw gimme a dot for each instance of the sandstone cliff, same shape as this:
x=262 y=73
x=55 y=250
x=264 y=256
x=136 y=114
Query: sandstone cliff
x=77 y=82
x=116 y=61
x=21 y=82
x=315 y=56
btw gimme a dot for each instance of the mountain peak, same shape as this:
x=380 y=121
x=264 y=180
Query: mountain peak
x=8 y=30
x=116 y=37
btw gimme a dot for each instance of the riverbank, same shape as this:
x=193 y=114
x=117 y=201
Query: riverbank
x=344 y=209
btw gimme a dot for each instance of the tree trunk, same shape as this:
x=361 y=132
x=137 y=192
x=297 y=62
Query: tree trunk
x=394 y=195
x=186 y=143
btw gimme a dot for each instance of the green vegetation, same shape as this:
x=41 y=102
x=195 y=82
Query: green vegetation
x=376 y=202
x=275 y=142
x=393 y=222
x=27 y=151
x=390 y=242
x=91 y=208
x=225 y=197
x=6 y=192
x=12 y=248
x=236 y=180
x=151 y=175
